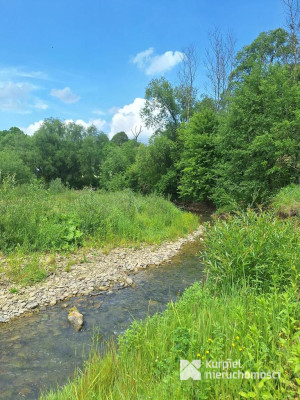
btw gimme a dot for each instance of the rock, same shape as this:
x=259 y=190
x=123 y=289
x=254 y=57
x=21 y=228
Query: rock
x=75 y=319
x=33 y=305
x=129 y=281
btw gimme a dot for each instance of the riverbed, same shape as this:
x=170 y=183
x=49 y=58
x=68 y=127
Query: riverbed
x=42 y=351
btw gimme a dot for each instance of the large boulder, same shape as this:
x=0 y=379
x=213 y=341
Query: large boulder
x=75 y=318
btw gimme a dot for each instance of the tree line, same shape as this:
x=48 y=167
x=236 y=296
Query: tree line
x=237 y=145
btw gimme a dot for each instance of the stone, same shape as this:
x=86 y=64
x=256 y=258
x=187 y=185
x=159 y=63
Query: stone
x=129 y=281
x=33 y=305
x=76 y=319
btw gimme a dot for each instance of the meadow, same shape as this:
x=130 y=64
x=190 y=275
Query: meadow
x=35 y=221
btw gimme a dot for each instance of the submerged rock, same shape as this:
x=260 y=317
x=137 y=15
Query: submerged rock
x=75 y=318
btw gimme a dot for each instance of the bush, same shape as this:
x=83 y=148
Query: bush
x=256 y=249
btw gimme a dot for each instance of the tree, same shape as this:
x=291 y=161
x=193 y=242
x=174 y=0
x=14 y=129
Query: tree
x=258 y=141
x=154 y=169
x=293 y=23
x=219 y=63
x=198 y=156
x=114 y=169
x=11 y=165
x=136 y=132
x=119 y=138
x=161 y=109
x=187 y=91
x=269 y=48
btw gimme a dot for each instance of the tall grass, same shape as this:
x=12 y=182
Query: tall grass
x=258 y=249
x=35 y=220
x=261 y=331
x=287 y=202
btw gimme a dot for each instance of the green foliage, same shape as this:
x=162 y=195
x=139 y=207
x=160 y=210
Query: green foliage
x=11 y=165
x=256 y=249
x=161 y=107
x=154 y=169
x=258 y=146
x=119 y=138
x=198 y=156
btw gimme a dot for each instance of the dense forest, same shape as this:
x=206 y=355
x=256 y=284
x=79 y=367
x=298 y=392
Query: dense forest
x=235 y=148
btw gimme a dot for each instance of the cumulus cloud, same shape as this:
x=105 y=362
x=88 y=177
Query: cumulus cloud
x=127 y=118
x=143 y=58
x=98 y=123
x=29 y=130
x=157 y=64
x=15 y=96
x=65 y=95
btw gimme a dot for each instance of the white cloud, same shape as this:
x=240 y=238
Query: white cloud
x=32 y=128
x=99 y=112
x=15 y=96
x=143 y=58
x=98 y=123
x=157 y=64
x=65 y=95
x=127 y=118
x=113 y=110
x=17 y=72
x=40 y=105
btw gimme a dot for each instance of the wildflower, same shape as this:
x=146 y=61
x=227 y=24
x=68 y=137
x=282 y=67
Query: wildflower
x=203 y=357
x=198 y=355
x=240 y=349
x=237 y=337
x=207 y=352
x=233 y=344
x=209 y=340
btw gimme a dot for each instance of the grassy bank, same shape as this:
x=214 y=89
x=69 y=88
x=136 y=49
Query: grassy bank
x=261 y=331
x=248 y=310
x=287 y=202
x=35 y=221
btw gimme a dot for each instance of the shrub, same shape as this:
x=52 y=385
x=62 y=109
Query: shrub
x=254 y=248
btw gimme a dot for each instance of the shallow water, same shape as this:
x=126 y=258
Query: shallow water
x=41 y=351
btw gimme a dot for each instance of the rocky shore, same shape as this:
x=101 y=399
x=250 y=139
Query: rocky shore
x=99 y=273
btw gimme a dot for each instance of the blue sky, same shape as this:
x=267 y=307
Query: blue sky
x=80 y=60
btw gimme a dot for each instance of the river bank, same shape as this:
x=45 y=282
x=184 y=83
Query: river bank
x=98 y=273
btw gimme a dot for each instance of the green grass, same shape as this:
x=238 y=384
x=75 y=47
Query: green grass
x=261 y=331
x=287 y=202
x=35 y=221
x=256 y=249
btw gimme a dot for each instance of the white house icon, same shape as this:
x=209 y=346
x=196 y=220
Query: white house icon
x=190 y=370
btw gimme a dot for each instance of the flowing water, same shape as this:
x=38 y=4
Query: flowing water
x=42 y=351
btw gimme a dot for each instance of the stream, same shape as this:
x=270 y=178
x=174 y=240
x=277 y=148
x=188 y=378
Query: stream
x=42 y=351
